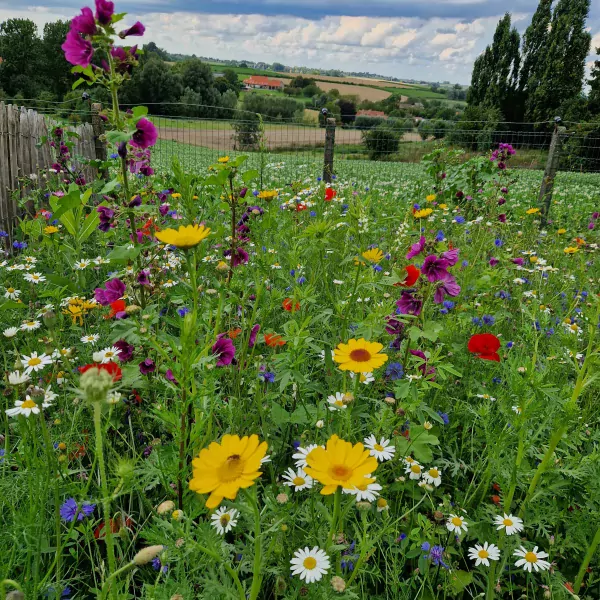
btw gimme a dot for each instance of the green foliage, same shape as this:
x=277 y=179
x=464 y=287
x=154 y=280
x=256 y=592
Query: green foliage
x=381 y=141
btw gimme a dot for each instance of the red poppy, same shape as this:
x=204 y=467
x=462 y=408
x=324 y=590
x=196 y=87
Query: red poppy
x=233 y=333
x=273 y=340
x=288 y=304
x=330 y=194
x=149 y=227
x=412 y=274
x=115 y=527
x=111 y=368
x=485 y=346
x=118 y=306
x=495 y=499
x=300 y=207
x=135 y=396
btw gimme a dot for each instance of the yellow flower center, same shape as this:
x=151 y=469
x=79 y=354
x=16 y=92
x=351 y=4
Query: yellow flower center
x=378 y=447
x=10 y=290
x=34 y=362
x=298 y=481
x=483 y=553
x=30 y=323
x=310 y=563
x=381 y=503
x=231 y=469
x=434 y=473
x=28 y=404
x=360 y=355
x=507 y=523
x=34 y=277
x=340 y=472
x=409 y=460
x=415 y=468
x=109 y=354
x=456 y=521
x=224 y=520
x=339 y=403
x=531 y=557
x=362 y=487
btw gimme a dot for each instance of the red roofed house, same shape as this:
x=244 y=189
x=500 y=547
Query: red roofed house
x=263 y=83
x=371 y=113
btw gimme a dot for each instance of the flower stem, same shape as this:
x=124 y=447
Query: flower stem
x=337 y=502
x=586 y=561
x=257 y=578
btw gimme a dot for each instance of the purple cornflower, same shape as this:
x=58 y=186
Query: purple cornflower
x=267 y=377
x=224 y=350
x=147 y=366
x=69 y=509
x=488 y=320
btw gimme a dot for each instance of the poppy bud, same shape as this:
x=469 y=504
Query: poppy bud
x=144 y=556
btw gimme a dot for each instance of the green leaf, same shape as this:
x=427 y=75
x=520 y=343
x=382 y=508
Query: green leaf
x=109 y=187
x=459 y=580
x=116 y=137
x=90 y=223
x=250 y=175
x=77 y=83
x=63 y=282
x=12 y=305
x=238 y=161
x=419 y=444
x=61 y=205
x=414 y=333
x=431 y=330
x=124 y=253
x=219 y=179
x=138 y=112
x=279 y=415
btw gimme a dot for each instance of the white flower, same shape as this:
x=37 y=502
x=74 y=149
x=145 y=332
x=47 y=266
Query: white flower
x=31 y=260
x=382 y=450
x=365 y=378
x=336 y=402
x=34 y=277
x=113 y=398
x=10 y=332
x=338 y=282
x=30 y=325
x=414 y=470
x=12 y=294
x=169 y=283
x=511 y=524
x=224 y=520
x=49 y=395
x=365 y=492
x=26 y=407
x=320 y=424
x=531 y=559
x=110 y=354
x=517 y=409
x=301 y=454
x=487 y=397
x=428 y=425
x=82 y=264
x=17 y=378
x=101 y=261
x=433 y=476
x=35 y=362
x=90 y=339
x=456 y=524
x=483 y=554
x=299 y=480
x=310 y=565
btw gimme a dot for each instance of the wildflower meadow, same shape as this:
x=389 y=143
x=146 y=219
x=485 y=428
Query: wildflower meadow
x=240 y=382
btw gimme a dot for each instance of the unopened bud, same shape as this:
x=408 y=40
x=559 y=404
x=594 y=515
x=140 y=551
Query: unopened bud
x=132 y=308
x=165 y=507
x=95 y=384
x=363 y=505
x=49 y=318
x=338 y=584
x=144 y=556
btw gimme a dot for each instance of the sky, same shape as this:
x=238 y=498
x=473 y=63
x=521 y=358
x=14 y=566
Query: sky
x=430 y=40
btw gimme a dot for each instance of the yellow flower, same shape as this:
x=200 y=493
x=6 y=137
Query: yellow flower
x=185 y=238
x=421 y=214
x=340 y=464
x=431 y=197
x=222 y=469
x=222 y=266
x=359 y=356
x=50 y=229
x=176 y=195
x=75 y=312
x=268 y=194
x=373 y=255
x=224 y=159
x=443 y=206
x=532 y=211
x=533 y=259
x=571 y=250
x=561 y=231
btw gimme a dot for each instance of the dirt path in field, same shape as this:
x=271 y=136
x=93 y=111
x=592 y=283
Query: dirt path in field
x=285 y=137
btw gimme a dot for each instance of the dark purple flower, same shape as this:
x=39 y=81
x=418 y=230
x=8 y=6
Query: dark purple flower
x=122 y=150
x=493 y=261
x=145 y=134
x=118 y=53
x=502 y=218
x=253 y=334
x=143 y=277
x=448 y=288
x=147 y=366
x=239 y=258
x=224 y=350
x=68 y=510
x=243 y=192
x=136 y=29
x=409 y=304
x=170 y=377
x=518 y=261
x=393 y=326
x=104 y=11
x=595 y=216
x=125 y=353
x=135 y=201
x=416 y=249
x=163 y=209
x=435 y=269
x=423 y=366
x=77 y=50
x=84 y=23
x=115 y=289
x=501 y=201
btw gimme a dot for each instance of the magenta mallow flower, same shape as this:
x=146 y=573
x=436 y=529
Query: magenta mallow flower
x=224 y=350
x=239 y=258
x=115 y=289
x=436 y=269
x=393 y=326
x=77 y=51
x=518 y=261
x=502 y=218
x=147 y=366
x=409 y=304
x=416 y=249
x=125 y=353
x=104 y=11
x=84 y=23
x=451 y=256
x=253 y=334
x=136 y=29
x=448 y=288
x=145 y=134
x=493 y=261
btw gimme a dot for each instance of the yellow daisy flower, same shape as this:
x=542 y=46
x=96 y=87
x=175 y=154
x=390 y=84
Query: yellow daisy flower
x=223 y=469
x=571 y=250
x=561 y=231
x=532 y=211
x=50 y=229
x=176 y=195
x=224 y=159
x=431 y=197
x=359 y=356
x=421 y=214
x=268 y=194
x=185 y=237
x=340 y=464
x=374 y=255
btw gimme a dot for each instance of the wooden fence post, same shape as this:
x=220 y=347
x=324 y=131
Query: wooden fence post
x=545 y=197
x=329 y=148
x=98 y=127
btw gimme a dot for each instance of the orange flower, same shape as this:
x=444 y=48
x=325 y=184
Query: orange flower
x=580 y=241
x=233 y=333
x=288 y=304
x=273 y=340
x=148 y=227
x=118 y=306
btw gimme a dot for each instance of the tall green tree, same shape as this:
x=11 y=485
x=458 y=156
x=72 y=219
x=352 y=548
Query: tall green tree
x=594 y=82
x=56 y=70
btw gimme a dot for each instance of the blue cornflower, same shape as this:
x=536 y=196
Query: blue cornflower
x=448 y=304
x=496 y=380
x=313 y=213
x=460 y=220
x=416 y=207
x=344 y=207
x=296 y=444
x=377 y=268
x=464 y=263
x=436 y=556
x=510 y=344
x=395 y=371
x=502 y=295
x=268 y=377
x=184 y=310
x=550 y=331
x=443 y=311
x=537 y=326
x=401 y=537
x=476 y=321
x=425 y=546
x=255 y=193
x=3 y=234
x=158 y=566
x=20 y=245
x=292 y=272
x=2 y=453
x=114 y=155
x=498 y=243
x=301 y=280
x=488 y=320
x=440 y=236
x=444 y=416
x=69 y=509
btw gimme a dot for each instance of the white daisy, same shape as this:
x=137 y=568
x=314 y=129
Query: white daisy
x=483 y=554
x=82 y=264
x=487 y=397
x=509 y=523
x=31 y=260
x=414 y=470
x=456 y=524
x=30 y=325
x=382 y=450
x=531 y=559
x=101 y=261
x=34 y=277
x=365 y=492
x=299 y=480
x=110 y=354
x=90 y=339
x=310 y=565
x=338 y=282
x=35 y=362
x=49 y=395
x=169 y=283
x=18 y=378
x=26 y=407
x=113 y=398
x=433 y=476
x=12 y=294
x=301 y=453
x=517 y=409
x=365 y=378
x=336 y=402
x=224 y=520
x=382 y=504
x=10 y=332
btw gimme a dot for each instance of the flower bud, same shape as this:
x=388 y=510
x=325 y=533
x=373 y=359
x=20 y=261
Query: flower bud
x=132 y=308
x=364 y=505
x=144 y=556
x=49 y=318
x=95 y=384
x=320 y=424
x=338 y=584
x=165 y=507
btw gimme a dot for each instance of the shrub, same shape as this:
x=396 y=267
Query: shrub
x=364 y=122
x=381 y=141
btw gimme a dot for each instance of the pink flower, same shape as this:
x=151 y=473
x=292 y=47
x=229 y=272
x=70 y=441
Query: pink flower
x=451 y=256
x=77 y=50
x=104 y=11
x=145 y=134
x=518 y=261
x=448 y=288
x=416 y=249
x=224 y=350
x=84 y=23
x=136 y=29
x=493 y=261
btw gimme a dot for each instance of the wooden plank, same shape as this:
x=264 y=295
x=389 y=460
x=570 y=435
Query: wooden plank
x=13 y=154
x=4 y=170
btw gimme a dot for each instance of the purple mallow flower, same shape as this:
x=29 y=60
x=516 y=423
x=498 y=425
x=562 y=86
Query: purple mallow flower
x=416 y=249
x=104 y=11
x=224 y=350
x=125 y=353
x=77 y=51
x=435 y=269
x=147 y=366
x=409 y=304
x=115 y=289
x=136 y=29
x=145 y=134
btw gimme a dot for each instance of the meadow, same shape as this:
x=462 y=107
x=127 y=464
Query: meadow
x=225 y=378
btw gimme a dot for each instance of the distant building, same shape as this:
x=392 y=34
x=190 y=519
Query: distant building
x=258 y=82
x=371 y=113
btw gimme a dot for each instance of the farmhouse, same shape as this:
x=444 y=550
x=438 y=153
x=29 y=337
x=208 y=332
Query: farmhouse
x=371 y=113
x=259 y=82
